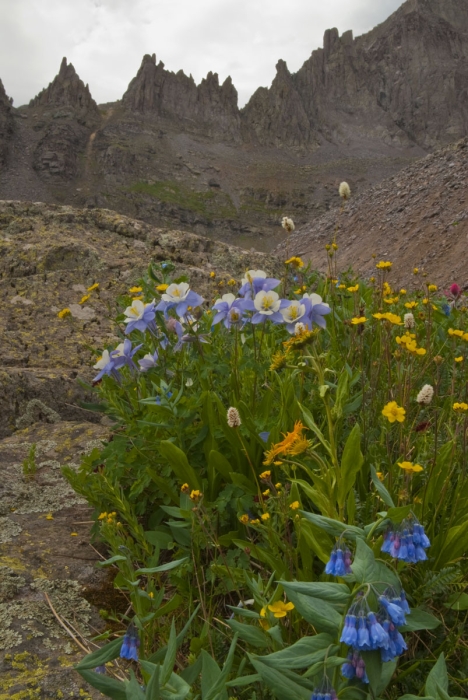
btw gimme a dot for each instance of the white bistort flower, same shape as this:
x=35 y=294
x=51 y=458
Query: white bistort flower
x=233 y=418
x=409 y=321
x=345 y=191
x=287 y=224
x=425 y=395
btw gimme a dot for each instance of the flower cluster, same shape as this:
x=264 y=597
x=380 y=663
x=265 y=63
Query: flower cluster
x=408 y=542
x=324 y=692
x=340 y=561
x=355 y=667
x=294 y=443
x=408 y=341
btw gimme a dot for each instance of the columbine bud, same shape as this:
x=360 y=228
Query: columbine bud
x=345 y=191
x=425 y=395
x=288 y=224
x=233 y=418
x=409 y=321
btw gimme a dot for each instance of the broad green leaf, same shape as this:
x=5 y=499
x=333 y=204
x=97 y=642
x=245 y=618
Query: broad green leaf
x=396 y=515
x=243 y=482
x=302 y=654
x=281 y=686
x=419 y=620
x=101 y=656
x=351 y=463
x=248 y=633
x=363 y=565
x=320 y=614
x=219 y=687
x=153 y=688
x=133 y=690
x=388 y=669
x=175 y=689
x=244 y=680
x=332 y=592
x=333 y=527
x=220 y=464
x=381 y=490
x=179 y=463
x=374 y=665
x=163 y=567
x=161 y=653
x=457 y=601
x=112 y=560
x=417 y=697
x=451 y=545
x=210 y=673
x=169 y=607
x=342 y=393
x=277 y=566
x=106 y=685
x=169 y=659
x=309 y=421
x=437 y=675
x=164 y=485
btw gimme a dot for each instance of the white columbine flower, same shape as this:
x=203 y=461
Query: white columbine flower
x=293 y=312
x=251 y=275
x=425 y=395
x=135 y=311
x=344 y=190
x=103 y=361
x=409 y=321
x=176 y=292
x=315 y=299
x=267 y=303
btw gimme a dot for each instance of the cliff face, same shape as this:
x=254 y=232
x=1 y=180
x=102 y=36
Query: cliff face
x=209 y=107
x=175 y=153
x=6 y=123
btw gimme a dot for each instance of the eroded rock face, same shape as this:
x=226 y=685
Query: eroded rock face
x=6 y=123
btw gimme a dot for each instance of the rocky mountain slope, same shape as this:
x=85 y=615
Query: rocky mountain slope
x=417 y=218
x=174 y=153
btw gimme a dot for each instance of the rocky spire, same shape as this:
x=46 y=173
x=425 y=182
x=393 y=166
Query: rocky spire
x=67 y=90
x=208 y=107
x=6 y=122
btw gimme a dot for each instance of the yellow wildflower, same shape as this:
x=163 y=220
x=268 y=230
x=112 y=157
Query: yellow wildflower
x=84 y=299
x=232 y=282
x=402 y=292
x=49 y=516
x=185 y=488
x=425 y=301
x=244 y=519
x=212 y=274
x=380 y=476
x=411 y=304
x=295 y=505
x=459 y=359
x=341 y=286
x=384 y=265
x=393 y=412
x=161 y=288
x=295 y=262
x=102 y=516
x=298 y=340
x=135 y=290
x=266 y=493
x=278 y=361
x=415 y=270
x=372 y=280
x=284 y=447
x=353 y=289
x=392 y=300
x=73 y=534
x=63 y=313
x=357 y=320
x=280 y=609
x=410 y=467
x=151 y=594
x=93 y=287
x=460 y=407
x=432 y=287
x=265 y=475
x=255 y=521
x=277 y=463
x=386 y=289
x=195 y=495
x=392 y=318
x=328 y=246
x=265 y=516
x=278 y=485
x=334 y=246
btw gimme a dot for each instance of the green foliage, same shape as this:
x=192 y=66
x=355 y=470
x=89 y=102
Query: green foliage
x=29 y=465
x=229 y=526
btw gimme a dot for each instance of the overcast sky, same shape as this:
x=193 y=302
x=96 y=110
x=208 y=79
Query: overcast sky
x=106 y=39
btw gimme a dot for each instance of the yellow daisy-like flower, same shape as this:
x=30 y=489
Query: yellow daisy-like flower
x=295 y=505
x=392 y=318
x=353 y=289
x=278 y=485
x=415 y=270
x=49 y=516
x=161 y=288
x=432 y=287
x=459 y=359
x=265 y=475
x=63 y=313
x=232 y=282
x=393 y=412
x=284 y=447
x=372 y=280
x=73 y=534
x=102 y=516
x=357 y=320
x=411 y=304
x=341 y=286
x=278 y=463
x=460 y=407
x=266 y=493
x=280 y=609
x=298 y=291
x=255 y=521
x=244 y=519
x=457 y=333
x=265 y=516
x=410 y=467
x=295 y=262
x=392 y=300
x=84 y=299
x=195 y=495
x=278 y=361
x=425 y=301
x=384 y=265
x=185 y=488
x=380 y=476
x=402 y=292
x=93 y=287
x=135 y=290
x=212 y=274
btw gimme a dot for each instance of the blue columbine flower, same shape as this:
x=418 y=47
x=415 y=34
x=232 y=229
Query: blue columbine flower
x=256 y=281
x=106 y=366
x=140 y=316
x=229 y=310
x=179 y=297
x=130 y=644
x=318 y=309
x=148 y=361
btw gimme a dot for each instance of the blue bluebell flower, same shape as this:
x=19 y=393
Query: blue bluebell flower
x=378 y=636
x=349 y=634
x=363 y=636
x=324 y=692
x=167 y=395
x=407 y=543
x=130 y=644
x=340 y=562
x=355 y=667
x=264 y=435
x=100 y=669
x=394 y=611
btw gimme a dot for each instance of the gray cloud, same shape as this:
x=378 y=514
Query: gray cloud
x=106 y=39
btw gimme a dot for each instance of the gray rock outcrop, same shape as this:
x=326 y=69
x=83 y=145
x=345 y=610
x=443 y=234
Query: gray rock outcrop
x=6 y=123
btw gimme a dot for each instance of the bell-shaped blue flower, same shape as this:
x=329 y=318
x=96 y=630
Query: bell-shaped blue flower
x=130 y=644
x=349 y=634
x=363 y=637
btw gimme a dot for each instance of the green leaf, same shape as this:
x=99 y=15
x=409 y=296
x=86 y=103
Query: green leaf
x=175 y=689
x=277 y=566
x=320 y=614
x=351 y=463
x=417 y=697
x=220 y=464
x=179 y=463
x=106 y=685
x=163 y=567
x=309 y=421
x=438 y=675
x=161 y=653
x=381 y=490
x=342 y=393
x=419 y=620
x=337 y=593
x=374 y=665
x=333 y=527
x=282 y=687
x=302 y=654
x=170 y=657
x=210 y=674
x=363 y=566
x=112 y=560
x=455 y=544
x=396 y=515
x=133 y=690
x=388 y=669
x=101 y=656
x=153 y=689
x=244 y=680
x=248 y=633
x=457 y=601
x=170 y=606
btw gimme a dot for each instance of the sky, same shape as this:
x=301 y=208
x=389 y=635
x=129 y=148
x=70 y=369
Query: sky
x=106 y=39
